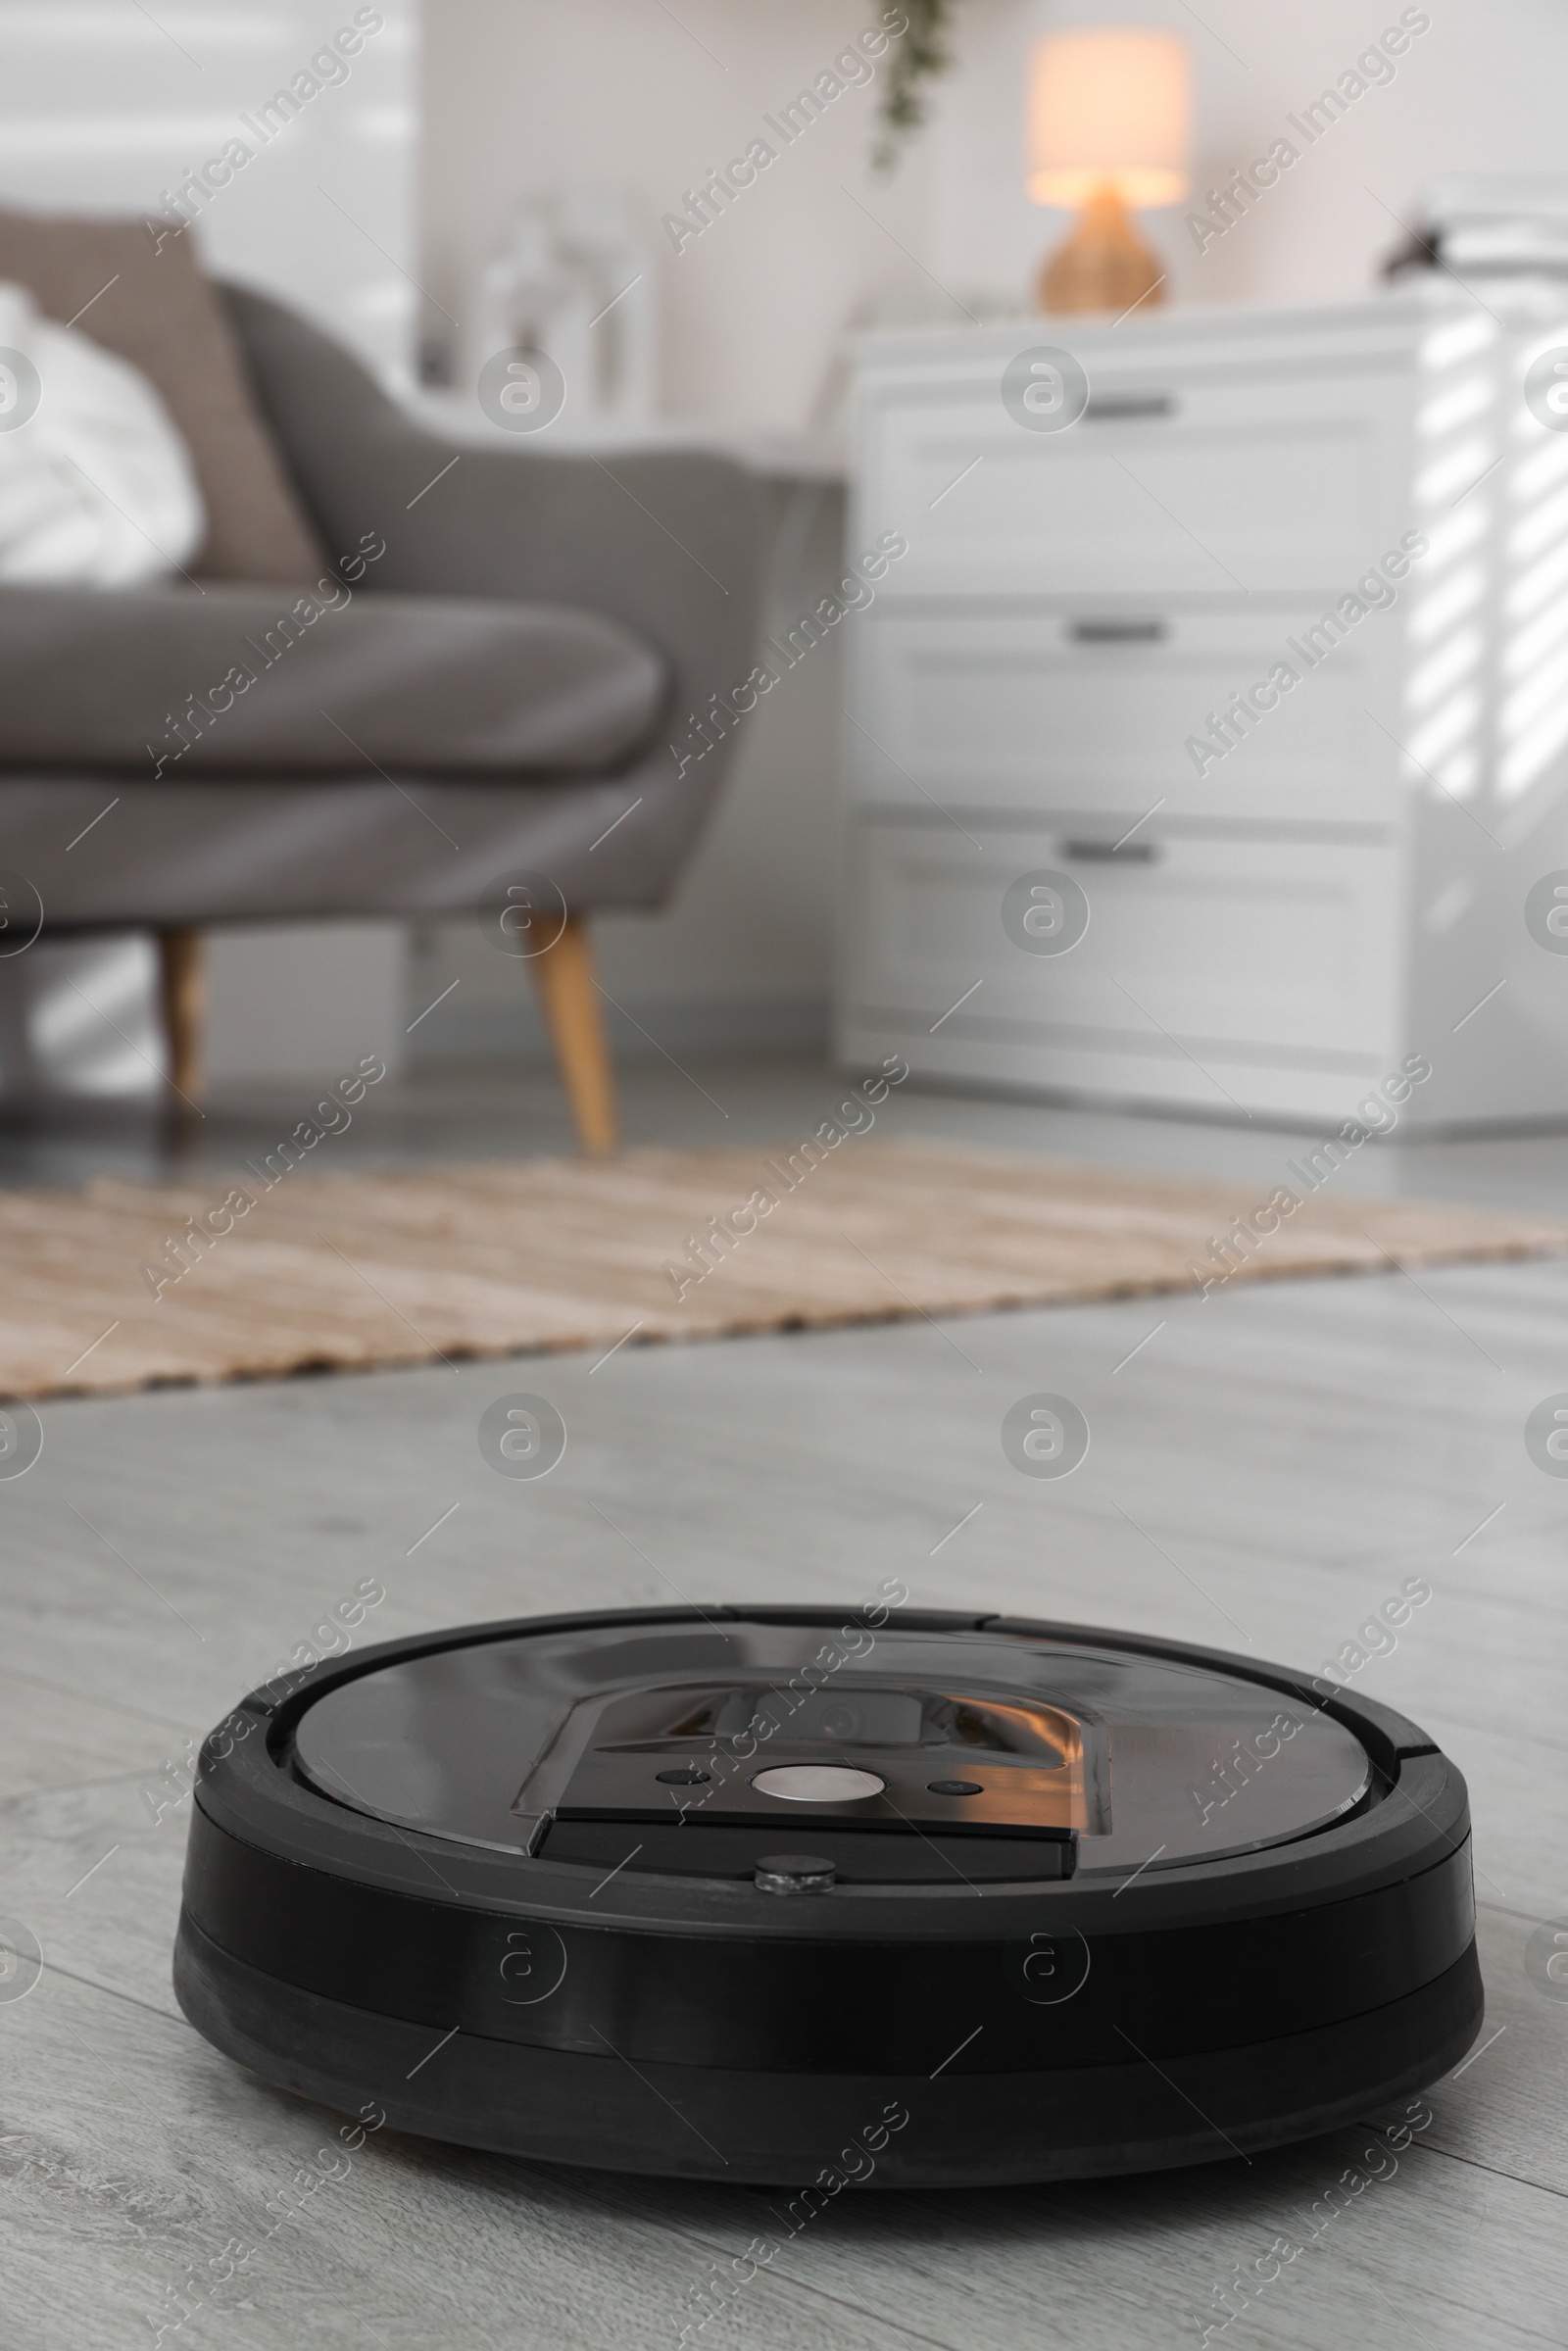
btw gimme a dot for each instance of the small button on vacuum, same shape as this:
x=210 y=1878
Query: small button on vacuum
x=794 y=1874
x=954 y=1788
x=818 y=1784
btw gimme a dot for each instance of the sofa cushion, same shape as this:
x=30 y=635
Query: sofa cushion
x=137 y=288
x=256 y=681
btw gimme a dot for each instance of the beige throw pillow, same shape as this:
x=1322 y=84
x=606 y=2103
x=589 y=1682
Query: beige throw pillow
x=140 y=292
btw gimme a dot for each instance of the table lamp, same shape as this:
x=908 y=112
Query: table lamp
x=1109 y=114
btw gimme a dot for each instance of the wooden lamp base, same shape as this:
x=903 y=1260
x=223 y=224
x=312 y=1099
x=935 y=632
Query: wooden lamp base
x=1103 y=265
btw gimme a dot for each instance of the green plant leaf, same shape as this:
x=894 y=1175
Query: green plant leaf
x=917 y=58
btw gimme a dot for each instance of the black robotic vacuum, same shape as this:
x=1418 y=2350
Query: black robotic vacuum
x=745 y=1894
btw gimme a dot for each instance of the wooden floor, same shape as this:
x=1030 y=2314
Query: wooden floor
x=1265 y=1468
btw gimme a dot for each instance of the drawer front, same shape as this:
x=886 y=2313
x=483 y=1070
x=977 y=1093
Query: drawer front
x=1268 y=947
x=1111 y=712
x=1291 y=484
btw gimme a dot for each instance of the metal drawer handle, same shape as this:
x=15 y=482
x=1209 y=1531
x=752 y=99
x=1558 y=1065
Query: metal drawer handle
x=1106 y=852
x=1118 y=632
x=1108 y=408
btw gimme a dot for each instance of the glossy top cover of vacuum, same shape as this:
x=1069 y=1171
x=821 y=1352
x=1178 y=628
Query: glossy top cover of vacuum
x=555 y=1741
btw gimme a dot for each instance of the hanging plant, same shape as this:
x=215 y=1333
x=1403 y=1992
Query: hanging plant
x=917 y=56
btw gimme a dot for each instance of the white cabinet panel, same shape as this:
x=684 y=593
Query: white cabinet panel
x=1194 y=486
x=1094 y=711
x=1348 y=883
x=1287 y=946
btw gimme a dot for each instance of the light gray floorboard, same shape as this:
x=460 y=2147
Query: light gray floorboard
x=1263 y=1473
x=1254 y=1480
x=136 y=2161
x=453 y=1112
x=51 y=1736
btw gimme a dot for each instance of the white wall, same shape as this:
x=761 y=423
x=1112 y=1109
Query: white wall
x=300 y=1000
x=80 y=1017
x=524 y=95
x=105 y=105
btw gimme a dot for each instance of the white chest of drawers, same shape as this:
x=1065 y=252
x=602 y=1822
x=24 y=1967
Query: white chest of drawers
x=1286 y=894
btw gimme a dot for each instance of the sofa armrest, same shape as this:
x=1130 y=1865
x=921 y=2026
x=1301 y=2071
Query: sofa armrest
x=669 y=542
x=232 y=681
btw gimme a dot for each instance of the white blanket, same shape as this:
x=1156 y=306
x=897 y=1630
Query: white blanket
x=96 y=486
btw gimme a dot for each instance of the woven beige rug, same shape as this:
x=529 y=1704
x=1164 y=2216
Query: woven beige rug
x=124 y=1285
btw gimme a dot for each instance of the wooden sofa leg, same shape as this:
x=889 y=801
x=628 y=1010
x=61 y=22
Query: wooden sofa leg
x=182 y=969
x=565 y=976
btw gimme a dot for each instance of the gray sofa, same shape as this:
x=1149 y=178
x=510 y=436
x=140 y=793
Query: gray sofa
x=481 y=685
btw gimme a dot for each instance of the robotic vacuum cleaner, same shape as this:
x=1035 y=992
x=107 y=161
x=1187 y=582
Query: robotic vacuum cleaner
x=736 y=1895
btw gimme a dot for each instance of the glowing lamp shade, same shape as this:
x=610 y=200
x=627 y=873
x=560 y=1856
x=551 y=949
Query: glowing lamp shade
x=1110 y=128
x=1111 y=108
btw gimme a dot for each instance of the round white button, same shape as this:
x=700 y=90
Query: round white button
x=818 y=1784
